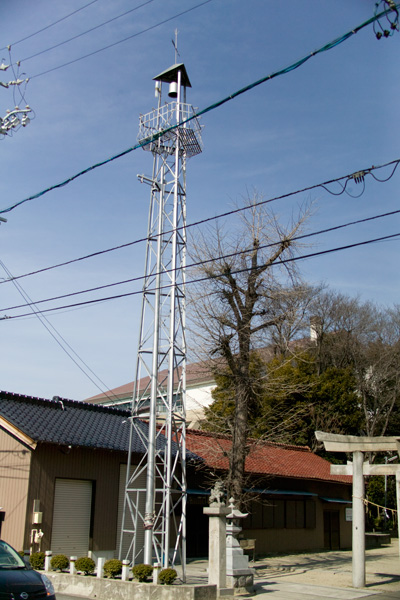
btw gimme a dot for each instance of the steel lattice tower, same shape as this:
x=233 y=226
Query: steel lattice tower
x=154 y=514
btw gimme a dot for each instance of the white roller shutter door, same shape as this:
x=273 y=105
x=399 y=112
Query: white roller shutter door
x=71 y=517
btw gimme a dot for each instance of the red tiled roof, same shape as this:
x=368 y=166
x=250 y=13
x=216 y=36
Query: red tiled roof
x=123 y=391
x=264 y=458
x=196 y=373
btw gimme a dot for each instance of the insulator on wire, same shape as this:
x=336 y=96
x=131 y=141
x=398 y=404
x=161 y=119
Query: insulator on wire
x=392 y=19
x=358 y=177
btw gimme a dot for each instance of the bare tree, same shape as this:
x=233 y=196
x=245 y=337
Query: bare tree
x=341 y=324
x=365 y=338
x=246 y=284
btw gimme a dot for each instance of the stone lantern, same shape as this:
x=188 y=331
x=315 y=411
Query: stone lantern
x=238 y=573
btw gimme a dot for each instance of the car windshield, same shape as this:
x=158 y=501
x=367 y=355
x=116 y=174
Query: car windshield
x=9 y=558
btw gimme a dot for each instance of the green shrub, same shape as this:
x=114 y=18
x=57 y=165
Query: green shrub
x=112 y=568
x=37 y=560
x=59 y=562
x=85 y=565
x=141 y=572
x=167 y=576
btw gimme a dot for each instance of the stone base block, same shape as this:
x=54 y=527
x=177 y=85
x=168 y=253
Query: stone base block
x=225 y=593
x=241 y=582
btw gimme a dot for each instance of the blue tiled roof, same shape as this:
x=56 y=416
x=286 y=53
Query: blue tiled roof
x=71 y=423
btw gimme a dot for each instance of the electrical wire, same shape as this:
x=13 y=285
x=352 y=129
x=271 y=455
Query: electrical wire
x=359 y=177
x=129 y=37
x=59 y=339
x=18 y=76
x=201 y=279
x=75 y=37
x=361 y=192
x=344 y=190
x=51 y=24
x=392 y=24
x=224 y=215
x=201 y=263
x=209 y=108
x=387 y=178
x=373 y=19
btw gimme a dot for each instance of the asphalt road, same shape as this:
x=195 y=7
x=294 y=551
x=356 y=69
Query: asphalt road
x=64 y=597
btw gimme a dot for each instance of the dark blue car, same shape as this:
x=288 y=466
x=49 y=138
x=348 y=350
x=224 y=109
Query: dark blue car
x=19 y=581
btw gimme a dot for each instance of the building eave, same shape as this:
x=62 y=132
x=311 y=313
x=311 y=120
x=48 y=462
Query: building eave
x=17 y=433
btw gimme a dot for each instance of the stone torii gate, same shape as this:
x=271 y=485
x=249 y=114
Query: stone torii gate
x=358 y=468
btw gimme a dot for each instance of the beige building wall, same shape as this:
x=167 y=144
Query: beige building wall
x=298 y=540
x=15 y=460
x=99 y=466
x=271 y=541
x=281 y=537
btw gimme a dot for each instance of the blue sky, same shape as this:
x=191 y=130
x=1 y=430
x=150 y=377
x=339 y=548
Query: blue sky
x=331 y=117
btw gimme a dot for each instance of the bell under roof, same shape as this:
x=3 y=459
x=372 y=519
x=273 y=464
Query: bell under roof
x=171 y=74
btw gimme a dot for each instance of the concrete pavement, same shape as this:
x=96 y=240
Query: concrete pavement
x=315 y=576
x=320 y=576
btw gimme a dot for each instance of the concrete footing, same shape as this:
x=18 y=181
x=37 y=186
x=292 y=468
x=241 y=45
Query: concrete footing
x=104 y=589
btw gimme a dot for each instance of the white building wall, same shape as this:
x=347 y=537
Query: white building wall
x=197 y=398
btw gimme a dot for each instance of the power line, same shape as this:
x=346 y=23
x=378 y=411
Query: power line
x=75 y=37
x=51 y=24
x=359 y=174
x=211 y=107
x=328 y=46
x=200 y=263
x=201 y=279
x=59 y=339
x=129 y=37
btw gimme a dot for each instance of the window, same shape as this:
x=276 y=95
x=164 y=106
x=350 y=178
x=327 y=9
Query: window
x=281 y=514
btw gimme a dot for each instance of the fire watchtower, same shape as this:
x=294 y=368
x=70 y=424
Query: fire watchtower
x=154 y=515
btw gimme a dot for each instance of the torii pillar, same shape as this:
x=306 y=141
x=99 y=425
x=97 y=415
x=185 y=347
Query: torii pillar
x=358 y=468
